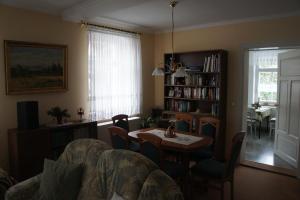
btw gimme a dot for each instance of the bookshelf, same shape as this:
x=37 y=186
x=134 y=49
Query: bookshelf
x=203 y=91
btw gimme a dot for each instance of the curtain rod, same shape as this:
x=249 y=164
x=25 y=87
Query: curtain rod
x=111 y=28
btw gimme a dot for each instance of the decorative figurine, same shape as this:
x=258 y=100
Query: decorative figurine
x=170 y=132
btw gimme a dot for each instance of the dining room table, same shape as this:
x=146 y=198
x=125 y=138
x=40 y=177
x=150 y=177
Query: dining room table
x=182 y=144
x=262 y=113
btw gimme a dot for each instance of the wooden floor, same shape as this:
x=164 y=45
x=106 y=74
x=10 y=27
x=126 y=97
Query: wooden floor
x=261 y=151
x=254 y=184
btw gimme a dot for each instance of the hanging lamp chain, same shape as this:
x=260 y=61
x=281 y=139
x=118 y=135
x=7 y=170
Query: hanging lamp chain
x=173 y=3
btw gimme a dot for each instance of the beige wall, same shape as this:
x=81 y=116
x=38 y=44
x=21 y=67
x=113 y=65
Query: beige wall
x=232 y=38
x=22 y=25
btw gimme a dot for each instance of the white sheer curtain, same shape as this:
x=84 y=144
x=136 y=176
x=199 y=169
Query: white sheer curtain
x=114 y=61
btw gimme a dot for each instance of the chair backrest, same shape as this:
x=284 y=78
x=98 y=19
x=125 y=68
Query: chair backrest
x=121 y=121
x=184 y=122
x=150 y=147
x=119 y=137
x=236 y=147
x=251 y=113
x=210 y=127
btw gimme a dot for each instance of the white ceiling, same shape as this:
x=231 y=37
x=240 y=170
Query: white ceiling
x=155 y=15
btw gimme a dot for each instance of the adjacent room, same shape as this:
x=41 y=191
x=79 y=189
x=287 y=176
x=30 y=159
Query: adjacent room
x=150 y=99
x=263 y=96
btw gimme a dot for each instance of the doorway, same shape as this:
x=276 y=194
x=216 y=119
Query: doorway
x=262 y=106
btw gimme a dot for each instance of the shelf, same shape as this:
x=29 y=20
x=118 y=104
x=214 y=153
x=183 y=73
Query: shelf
x=195 y=86
x=191 y=99
x=168 y=112
x=200 y=72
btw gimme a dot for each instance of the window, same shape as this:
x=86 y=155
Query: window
x=114 y=61
x=264 y=75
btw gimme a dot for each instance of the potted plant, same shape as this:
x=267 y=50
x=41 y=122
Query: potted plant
x=148 y=122
x=58 y=113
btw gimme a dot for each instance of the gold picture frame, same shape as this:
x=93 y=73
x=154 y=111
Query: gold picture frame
x=35 y=67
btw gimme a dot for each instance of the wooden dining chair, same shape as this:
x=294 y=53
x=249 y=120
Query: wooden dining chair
x=215 y=173
x=120 y=139
x=208 y=127
x=151 y=148
x=121 y=121
x=184 y=122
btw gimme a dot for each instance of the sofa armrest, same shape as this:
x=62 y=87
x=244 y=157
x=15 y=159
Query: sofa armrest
x=27 y=189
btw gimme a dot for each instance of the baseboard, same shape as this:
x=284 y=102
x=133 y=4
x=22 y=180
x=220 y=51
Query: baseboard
x=269 y=168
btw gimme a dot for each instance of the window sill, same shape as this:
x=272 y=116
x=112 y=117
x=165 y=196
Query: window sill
x=110 y=122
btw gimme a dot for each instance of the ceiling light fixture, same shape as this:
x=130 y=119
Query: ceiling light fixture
x=173 y=66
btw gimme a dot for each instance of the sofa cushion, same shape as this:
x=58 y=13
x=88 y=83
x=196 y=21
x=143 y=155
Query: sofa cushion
x=86 y=152
x=5 y=182
x=124 y=172
x=116 y=197
x=60 y=180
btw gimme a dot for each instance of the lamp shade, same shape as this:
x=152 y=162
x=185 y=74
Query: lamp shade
x=158 y=72
x=180 y=72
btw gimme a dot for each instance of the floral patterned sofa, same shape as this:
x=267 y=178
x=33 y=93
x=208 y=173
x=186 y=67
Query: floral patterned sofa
x=5 y=182
x=106 y=172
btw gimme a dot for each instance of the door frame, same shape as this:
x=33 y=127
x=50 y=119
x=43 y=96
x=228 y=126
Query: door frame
x=245 y=73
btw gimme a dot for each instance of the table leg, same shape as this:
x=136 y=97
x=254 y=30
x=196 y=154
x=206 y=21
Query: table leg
x=185 y=159
x=259 y=129
x=268 y=123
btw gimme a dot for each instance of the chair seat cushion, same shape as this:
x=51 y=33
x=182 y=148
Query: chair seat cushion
x=202 y=154
x=209 y=167
x=134 y=146
x=173 y=169
x=60 y=180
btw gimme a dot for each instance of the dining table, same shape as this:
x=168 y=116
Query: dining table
x=262 y=113
x=182 y=144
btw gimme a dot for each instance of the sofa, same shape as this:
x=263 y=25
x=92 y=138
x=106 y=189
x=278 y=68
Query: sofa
x=106 y=172
x=5 y=182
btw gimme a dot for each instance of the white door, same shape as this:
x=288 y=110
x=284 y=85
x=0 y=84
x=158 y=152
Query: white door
x=287 y=133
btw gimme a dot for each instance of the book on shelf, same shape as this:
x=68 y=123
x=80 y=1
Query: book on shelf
x=215 y=109
x=178 y=106
x=212 y=63
x=206 y=93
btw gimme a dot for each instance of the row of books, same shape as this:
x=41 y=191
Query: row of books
x=195 y=79
x=200 y=80
x=206 y=93
x=183 y=106
x=178 y=106
x=196 y=93
x=215 y=109
x=212 y=63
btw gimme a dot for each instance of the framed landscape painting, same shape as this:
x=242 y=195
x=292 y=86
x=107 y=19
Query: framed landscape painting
x=35 y=67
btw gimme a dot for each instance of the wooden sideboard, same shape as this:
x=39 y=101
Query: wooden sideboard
x=29 y=148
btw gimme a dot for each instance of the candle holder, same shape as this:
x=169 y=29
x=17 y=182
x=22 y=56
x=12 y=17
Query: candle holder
x=80 y=112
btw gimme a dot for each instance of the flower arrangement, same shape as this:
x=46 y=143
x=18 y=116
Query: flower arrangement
x=58 y=113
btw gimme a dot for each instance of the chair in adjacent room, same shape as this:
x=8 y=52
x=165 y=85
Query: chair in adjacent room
x=251 y=121
x=184 y=122
x=151 y=148
x=121 y=121
x=272 y=126
x=214 y=173
x=208 y=127
x=120 y=139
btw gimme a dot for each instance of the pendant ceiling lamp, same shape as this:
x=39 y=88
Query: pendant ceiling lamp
x=173 y=65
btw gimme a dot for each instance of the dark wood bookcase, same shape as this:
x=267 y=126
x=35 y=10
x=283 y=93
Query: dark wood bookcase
x=203 y=91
